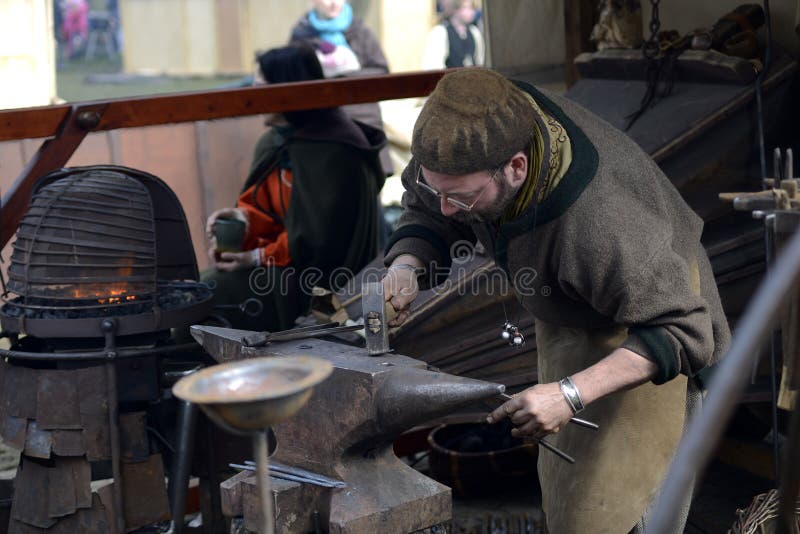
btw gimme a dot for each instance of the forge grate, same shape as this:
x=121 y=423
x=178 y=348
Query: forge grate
x=102 y=241
x=86 y=242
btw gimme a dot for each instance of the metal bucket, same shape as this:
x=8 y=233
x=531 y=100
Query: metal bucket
x=477 y=458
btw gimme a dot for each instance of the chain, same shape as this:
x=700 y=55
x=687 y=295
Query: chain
x=650 y=47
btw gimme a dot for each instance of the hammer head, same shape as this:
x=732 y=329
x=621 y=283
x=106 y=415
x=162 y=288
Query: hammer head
x=376 y=328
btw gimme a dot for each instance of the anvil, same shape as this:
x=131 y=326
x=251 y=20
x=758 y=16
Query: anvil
x=347 y=429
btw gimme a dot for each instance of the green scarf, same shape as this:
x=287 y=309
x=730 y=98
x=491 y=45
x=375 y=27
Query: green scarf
x=528 y=190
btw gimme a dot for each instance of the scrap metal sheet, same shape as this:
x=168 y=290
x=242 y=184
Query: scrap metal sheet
x=96 y=437
x=15 y=429
x=92 y=385
x=31 y=495
x=60 y=490
x=19 y=391
x=90 y=520
x=133 y=436
x=57 y=400
x=82 y=479
x=38 y=443
x=145 y=493
x=68 y=443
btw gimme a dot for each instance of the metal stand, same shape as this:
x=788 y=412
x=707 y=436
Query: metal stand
x=109 y=327
x=179 y=478
x=261 y=452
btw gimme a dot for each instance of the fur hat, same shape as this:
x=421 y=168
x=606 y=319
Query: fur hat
x=474 y=120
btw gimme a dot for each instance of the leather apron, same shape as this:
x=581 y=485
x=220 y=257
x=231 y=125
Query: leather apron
x=618 y=469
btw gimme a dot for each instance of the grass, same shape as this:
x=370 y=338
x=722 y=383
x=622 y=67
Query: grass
x=101 y=78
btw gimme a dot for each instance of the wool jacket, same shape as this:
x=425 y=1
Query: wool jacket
x=613 y=244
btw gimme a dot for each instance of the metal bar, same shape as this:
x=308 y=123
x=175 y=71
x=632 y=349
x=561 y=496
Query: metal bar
x=261 y=452
x=774 y=341
x=109 y=328
x=97 y=355
x=287 y=476
x=555 y=450
x=99 y=231
x=116 y=266
x=584 y=423
x=124 y=201
x=729 y=381
x=296 y=471
x=288 y=336
x=179 y=481
x=141 y=299
x=89 y=244
x=262 y=338
x=84 y=254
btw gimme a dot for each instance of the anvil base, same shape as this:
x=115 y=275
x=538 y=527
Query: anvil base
x=410 y=502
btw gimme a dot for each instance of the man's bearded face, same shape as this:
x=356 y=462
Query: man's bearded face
x=492 y=211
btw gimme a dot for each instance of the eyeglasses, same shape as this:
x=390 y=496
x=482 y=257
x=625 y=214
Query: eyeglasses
x=454 y=201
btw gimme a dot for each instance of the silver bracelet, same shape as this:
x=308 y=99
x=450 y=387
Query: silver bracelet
x=571 y=394
x=406 y=266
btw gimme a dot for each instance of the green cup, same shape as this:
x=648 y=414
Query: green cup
x=229 y=234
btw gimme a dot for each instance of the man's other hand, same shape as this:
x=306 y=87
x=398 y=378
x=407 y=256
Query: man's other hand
x=537 y=411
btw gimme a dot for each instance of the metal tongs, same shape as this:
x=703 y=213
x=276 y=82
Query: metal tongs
x=260 y=339
x=552 y=448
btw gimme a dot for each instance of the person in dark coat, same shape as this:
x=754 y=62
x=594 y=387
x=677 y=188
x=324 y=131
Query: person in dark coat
x=345 y=47
x=308 y=205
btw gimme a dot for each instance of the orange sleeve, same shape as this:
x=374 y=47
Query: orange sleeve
x=265 y=233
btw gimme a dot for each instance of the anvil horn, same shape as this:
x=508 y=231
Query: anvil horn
x=412 y=396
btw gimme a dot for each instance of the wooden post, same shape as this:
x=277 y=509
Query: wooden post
x=579 y=18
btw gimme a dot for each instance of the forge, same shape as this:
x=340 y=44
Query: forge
x=102 y=269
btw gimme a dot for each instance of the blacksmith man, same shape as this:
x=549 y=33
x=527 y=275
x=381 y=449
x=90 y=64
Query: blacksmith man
x=630 y=316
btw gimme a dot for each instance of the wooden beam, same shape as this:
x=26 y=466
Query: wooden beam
x=33 y=123
x=579 y=19
x=70 y=124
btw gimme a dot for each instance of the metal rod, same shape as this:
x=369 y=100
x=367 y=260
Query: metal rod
x=179 y=481
x=558 y=452
x=302 y=473
x=774 y=340
x=289 y=476
x=109 y=326
x=703 y=432
x=261 y=452
x=97 y=355
x=584 y=423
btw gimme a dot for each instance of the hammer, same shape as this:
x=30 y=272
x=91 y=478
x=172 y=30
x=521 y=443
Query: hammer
x=377 y=313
